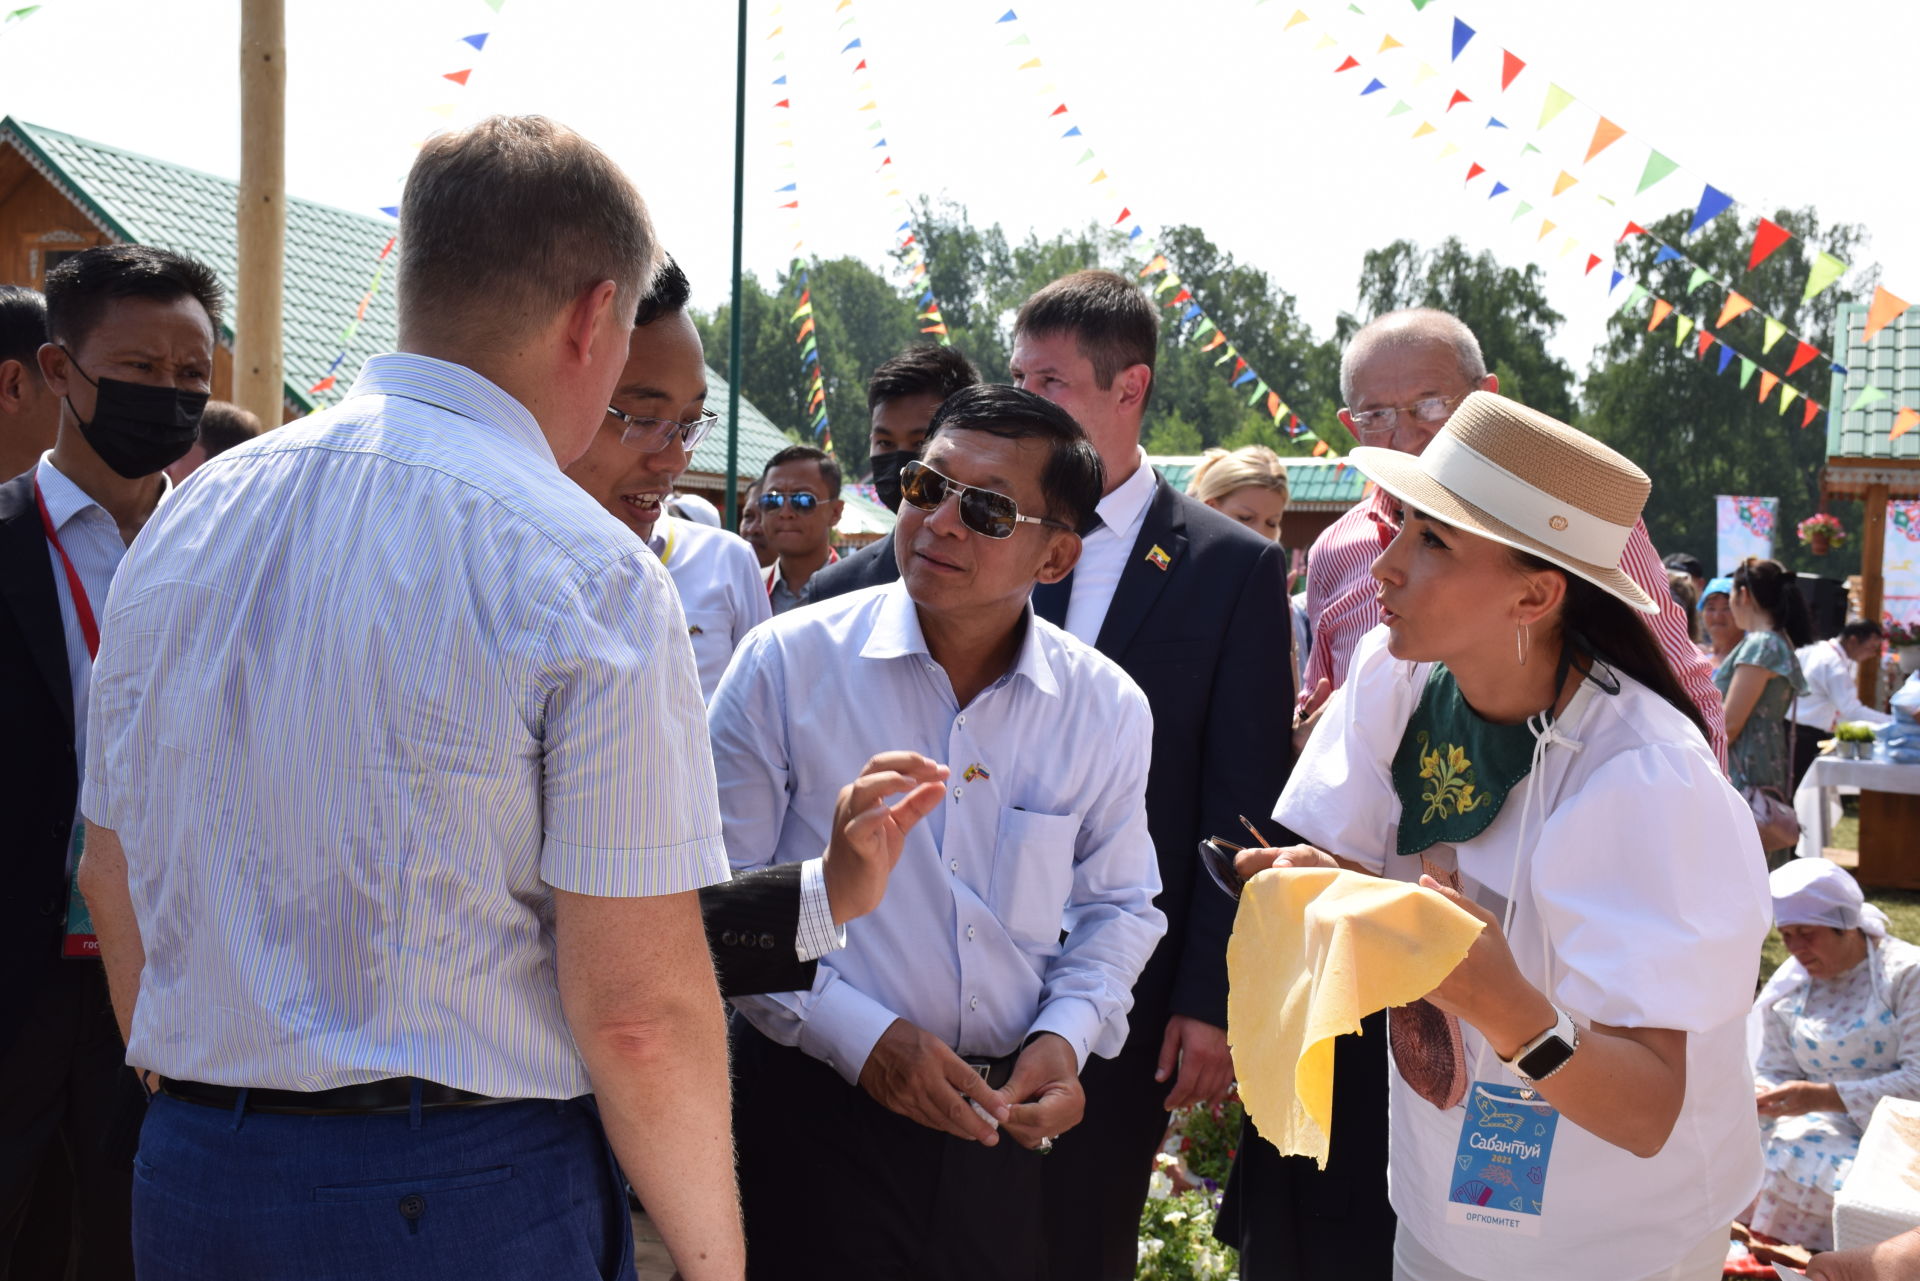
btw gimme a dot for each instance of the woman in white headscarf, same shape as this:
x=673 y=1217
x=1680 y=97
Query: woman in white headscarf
x=1840 y=1032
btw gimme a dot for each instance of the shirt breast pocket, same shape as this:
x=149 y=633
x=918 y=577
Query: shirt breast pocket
x=1033 y=875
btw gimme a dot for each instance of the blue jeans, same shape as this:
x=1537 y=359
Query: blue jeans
x=511 y=1190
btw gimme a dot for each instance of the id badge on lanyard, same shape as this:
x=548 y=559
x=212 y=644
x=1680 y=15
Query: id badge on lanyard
x=1499 y=1176
x=77 y=939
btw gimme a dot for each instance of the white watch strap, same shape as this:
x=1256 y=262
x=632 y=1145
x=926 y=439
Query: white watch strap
x=1563 y=1027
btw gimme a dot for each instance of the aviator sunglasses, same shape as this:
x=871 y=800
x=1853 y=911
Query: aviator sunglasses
x=984 y=512
x=802 y=501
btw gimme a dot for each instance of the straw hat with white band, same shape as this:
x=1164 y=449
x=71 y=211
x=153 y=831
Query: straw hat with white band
x=1519 y=477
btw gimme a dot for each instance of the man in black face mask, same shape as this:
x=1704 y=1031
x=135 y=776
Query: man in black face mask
x=901 y=398
x=130 y=358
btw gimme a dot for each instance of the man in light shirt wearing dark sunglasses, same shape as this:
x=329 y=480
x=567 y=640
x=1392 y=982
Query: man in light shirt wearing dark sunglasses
x=935 y=1058
x=799 y=506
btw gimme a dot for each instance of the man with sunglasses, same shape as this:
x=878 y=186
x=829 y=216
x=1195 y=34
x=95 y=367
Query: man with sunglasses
x=799 y=506
x=657 y=416
x=937 y=1056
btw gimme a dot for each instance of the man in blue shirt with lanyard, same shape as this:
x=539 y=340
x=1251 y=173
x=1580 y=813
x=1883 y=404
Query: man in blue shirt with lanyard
x=131 y=361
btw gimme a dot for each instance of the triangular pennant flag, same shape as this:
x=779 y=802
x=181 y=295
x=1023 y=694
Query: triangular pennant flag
x=458 y=77
x=1423 y=130
x=1768 y=381
x=1217 y=339
x=1529 y=148
x=782 y=80
x=1774 y=332
x=789 y=187
x=1726 y=358
x=1400 y=108
x=1373 y=86
x=1099 y=177
x=1808 y=414
x=1593 y=260
x=325 y=383
x=1546 y=225
x=1347 y=65
x=1666 y=253
x=1510 y=66
x=1681 y=328
x=1788 y=393
x=1661 y=310
x=1699 y=277
x=1451 y=148
x=1260 y=389
x=1564 y=181
x=1705 y=340
x=1060 y=110
x=1474 y=170
x=1867 y=396
x=1558 y=100
x=1275 y=406
x=1905 y=421
x=1205 y=326
x=478 y=41
x=1297 y=18
x=1494 y=122
x=1605 y=134
x=1388 y=42
x=1459 y=96
x=784 y=102
x=1713 y=203
x=1736 y=305
x=1020 y=39
x=1499 y=189
x=1423 y=75
x=1124 y=215
x=1462 y=33
x=851 y=44
x=1324 y=42
x=1569 y=245
x=1633 y=229
x=1803 y=353
x=1658 y=167
x=1028 y=65
x=1882 y=311
x=1767 y=237
x=861 y=66
x=1826 y=269
x=391 y=211
x=1084 y=157
x=1521 y=212
x=1614 y=284
x=1634 y=295
x=1008 y=16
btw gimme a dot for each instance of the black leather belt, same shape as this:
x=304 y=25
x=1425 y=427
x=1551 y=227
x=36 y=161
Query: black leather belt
x=395 y=1094
x=995 y=1072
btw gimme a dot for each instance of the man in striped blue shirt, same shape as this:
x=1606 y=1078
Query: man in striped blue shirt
x=398 y=794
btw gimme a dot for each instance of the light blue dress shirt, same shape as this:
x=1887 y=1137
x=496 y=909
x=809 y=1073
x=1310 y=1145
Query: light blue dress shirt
x=370 y=687
x=1044 y=828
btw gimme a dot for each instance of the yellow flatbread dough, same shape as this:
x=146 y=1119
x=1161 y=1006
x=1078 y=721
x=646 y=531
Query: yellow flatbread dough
x=1315 y=950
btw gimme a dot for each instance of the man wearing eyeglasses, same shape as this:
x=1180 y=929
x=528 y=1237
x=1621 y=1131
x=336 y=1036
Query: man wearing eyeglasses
x=657 y=416
x=937 y=1056
x=799 y=506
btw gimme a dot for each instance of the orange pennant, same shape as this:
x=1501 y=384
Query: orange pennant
x=1564 y=181
x=458 y=77
x=1904 y=422
x=1546 y=225
x=1605 y=134
x=1736 y=306
x=1768 y=381
x=1661 y=310
x=1218 y=338
x=1881 y=312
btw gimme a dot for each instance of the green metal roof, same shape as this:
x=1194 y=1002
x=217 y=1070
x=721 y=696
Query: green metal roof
x=1892 y=364
x=1313 y=484
x=332 y=255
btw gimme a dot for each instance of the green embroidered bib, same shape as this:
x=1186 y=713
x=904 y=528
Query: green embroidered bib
x=1454 y=770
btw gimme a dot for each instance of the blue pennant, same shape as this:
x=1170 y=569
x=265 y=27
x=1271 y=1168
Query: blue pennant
x=1667 y=254
x=782 y=80
x=1245 y=377
x=1839 y=368
x=1726 y=358
x=1499 y=188
x=809 y=358
x=1072 y=133
x=391 y=211
x=478 y=42
x=1193 y=309
x=852 y=44
x=927 y=298
x=1494 y=122
x=1614 y=284
x=792 y=186
x=1713 y=203
x=1461 y=34
x=903 y=226
x=1134 y=234
x=1008 y=16
x=1373 y=86
x=876 y=146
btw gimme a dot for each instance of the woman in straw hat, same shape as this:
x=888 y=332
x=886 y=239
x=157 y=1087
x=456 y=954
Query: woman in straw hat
x=1574 y=1100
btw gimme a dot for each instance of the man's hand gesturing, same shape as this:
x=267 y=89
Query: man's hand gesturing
x=868 y=833
x=913 y=1073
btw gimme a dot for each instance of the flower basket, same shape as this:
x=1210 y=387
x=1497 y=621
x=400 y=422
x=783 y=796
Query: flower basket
x=1821 y=532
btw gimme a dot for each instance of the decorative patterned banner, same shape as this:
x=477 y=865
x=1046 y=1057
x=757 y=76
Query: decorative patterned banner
x=1744 y=527
x=786 y=197
x=1900 y=565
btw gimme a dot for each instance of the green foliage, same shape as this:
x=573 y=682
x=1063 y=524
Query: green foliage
x=1698 y=433
x=1173 y=436
x=1176 y=1241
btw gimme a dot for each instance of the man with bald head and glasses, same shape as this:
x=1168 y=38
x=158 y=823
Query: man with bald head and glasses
x=936 y=1057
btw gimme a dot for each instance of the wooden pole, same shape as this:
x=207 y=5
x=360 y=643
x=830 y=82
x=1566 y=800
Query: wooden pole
x=259 y=380
x=1873 y=549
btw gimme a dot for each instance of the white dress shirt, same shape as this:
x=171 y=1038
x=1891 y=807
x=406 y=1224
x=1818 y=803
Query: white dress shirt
x=1044 y=828
x=371 y=687
x=1104 y=552
x=721 y=591
x=1832 y=695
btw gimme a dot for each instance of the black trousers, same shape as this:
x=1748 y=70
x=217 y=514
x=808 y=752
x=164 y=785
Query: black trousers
x=834 y=1186
x=1293 y=1221
x=70 y=1114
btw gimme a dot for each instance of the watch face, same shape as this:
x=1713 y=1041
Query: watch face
x=1545 y=1058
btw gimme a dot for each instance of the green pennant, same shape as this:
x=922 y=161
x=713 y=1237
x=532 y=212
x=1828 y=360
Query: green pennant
x=1699 y=277
x=1558 y=100
x=1083 y=159
x=1357 y=9
x=1658 y=167
x=1530 y=147
x=1400 y=108
x=1421 y=4
x=1201 y=330
x=1867 y=396
x=1521 y=212
x=1634 y=295
x=1260 y=389
x=1746 y=372
x=1774 y=332
x=1019 y=40
x=495 y=4
x=1826 y=270
x=1681 y=328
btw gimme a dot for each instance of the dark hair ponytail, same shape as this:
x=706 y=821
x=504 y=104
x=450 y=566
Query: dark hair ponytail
x=1774 y=590
x=1619 y=636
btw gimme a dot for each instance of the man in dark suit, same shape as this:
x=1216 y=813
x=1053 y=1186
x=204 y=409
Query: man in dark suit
x=1194 y=607
x=29 y=412
x=129 y=362
x=901 y=397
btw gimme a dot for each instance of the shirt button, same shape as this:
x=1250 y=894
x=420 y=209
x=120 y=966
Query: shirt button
x=969 y=931
x=973 y=1003
x=729 y=938
x=963 y=720
x=958 y=792
x=955 y=864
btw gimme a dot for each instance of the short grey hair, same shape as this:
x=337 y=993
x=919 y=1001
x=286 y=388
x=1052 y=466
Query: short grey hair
x=1413 y=327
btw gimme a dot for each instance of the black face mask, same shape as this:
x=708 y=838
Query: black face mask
x=886 y=475
x=138 y=429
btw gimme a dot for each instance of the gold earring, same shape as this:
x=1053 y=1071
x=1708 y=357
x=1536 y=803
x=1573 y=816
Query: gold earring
x=1520 y=639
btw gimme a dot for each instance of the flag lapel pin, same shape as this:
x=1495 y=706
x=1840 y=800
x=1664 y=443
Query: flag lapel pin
x=1158 y=558
x=975 y=770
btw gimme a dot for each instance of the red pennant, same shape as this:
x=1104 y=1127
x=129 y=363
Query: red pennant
x=1767 y=237
x=784 y=102
x=806 y=296
x=458 y=77
x=886 y=162
x=388 y=249
x=1475 y=170
x=1185 y=295
x=1633 y=229
x=1459 y=96
x=1348 y=65
x=861 y=65
x=1124 y=215
x=791 y=204
x=1060 y=110
x=1807 y=416
x=1706 y=341
x=1802 y=353
x=322 y=385
x=1593 y=260
x=1509 y=68
x=909 y=240
x=1239 y=363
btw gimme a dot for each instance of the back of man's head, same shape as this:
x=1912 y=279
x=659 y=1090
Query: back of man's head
x=1073 y=478
x=1414 y=327
x=223 y=425
x=82 y=287
x=1111 y=320
x=505 y=224
x=23 y=323
x=1862 y=629
x=923 y=369
x=828 y=464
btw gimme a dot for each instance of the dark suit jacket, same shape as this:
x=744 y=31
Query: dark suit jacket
x=39 y=773
x=752 y=922
x=871 y=566
x=1207 y=639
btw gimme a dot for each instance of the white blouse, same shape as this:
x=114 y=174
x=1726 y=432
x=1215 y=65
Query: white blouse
x=1641 y=902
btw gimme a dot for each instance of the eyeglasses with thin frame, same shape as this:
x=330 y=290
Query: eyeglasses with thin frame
x=983 y=511
x=802 y=501
x=650 y=435
x=1376 y=426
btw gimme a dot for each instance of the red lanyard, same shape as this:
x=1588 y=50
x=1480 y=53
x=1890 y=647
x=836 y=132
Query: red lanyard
x=81 y=605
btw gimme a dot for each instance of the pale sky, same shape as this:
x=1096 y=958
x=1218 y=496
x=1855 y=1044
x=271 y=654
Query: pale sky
x=1205 y=112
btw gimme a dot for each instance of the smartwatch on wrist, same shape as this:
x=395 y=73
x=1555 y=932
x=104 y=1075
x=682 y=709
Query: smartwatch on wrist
x=1547 y=1053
